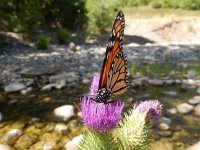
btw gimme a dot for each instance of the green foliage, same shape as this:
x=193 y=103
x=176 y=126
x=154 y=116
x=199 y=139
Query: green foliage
x=156 y=5
x=101 y=14
x=142 y=2
x=30 y=15
x=62 y=35
x=190 y=4
x=97 y=141
x=43 y=42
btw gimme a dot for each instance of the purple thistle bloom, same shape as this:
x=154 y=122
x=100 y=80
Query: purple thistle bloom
x=94 y=85
x=153 y=109
x=99 y=116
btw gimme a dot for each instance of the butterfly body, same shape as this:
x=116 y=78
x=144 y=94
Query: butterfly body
x=113 y=80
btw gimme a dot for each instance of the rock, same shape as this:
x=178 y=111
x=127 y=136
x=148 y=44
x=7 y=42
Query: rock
x=4 y=147
x=165 y=120
x=195 y=100
x=194 y=147
x=14 y=87
x=25 y=141
x=190 y=74
x=172 y=111
x=86 y=81
x=184 y=108
x=29 y=82
x=177 y=81
x=26 y=91
x=163 y=126
x=61 y=84
x=69 y=77
x=164 y=123
x=11 y=136
x=48 y=87
x=197 y=110
x=170 y=93
x=72 y=46
x=198 y=90
x=73 y=144
x=187 y=87
x=169 y=82
x=155 y=82
x=1 y=116
x=50 y=145
x=60 y=128
x=13 y=101
x=64 y=112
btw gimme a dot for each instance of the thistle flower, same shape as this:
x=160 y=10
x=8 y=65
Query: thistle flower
x=152 y=108
x=94 y=85
x=99 y=116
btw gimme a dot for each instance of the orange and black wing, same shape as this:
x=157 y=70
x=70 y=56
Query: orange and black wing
x=113 y=48
x=117 y=81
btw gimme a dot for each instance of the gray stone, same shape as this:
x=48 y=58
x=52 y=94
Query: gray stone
x=165 y=120
x=73 y=144
x=70 y=77
x=64 y=112
x=190 y=74
x=14 y=87
x=1 y=116
x=184 y=108
x=164 y=123
x=86 y=81
x=169 y=82
x=48 y=87
x=172 y=111
x=197 y=110
x=61 y=84
x=195 y=100
x=170 y=93
x=198 y=90
x=11 y=136
x=194 y=147
x=26 y=91
x=155 y=82
x=4 y=147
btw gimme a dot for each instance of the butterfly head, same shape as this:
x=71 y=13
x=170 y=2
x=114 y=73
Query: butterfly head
x=103 y=95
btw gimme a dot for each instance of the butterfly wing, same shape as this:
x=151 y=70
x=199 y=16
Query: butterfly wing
x=113 y=48
x=117 y=81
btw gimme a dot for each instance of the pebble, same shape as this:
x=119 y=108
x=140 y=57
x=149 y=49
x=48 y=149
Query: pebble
x=72 y=46
x=48 y=87
x=4 y=147
x=197 y=110
x=169 y=82
x=164 y=123
x=61 y=84
x=198 y=90
x=60 y=127
x=14 y=87
x=184 y=108
x=50 y=145
x=1 y=116
x=171 y=111
x=195 y=100
x=190 y=74
x=73 y=144
x=11 y=136
x=26 y=91
x=64 y=112
x=155 y=82
x=194 y=146
x=170 y=93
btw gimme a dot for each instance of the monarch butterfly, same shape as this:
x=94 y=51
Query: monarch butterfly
x=113 y=79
